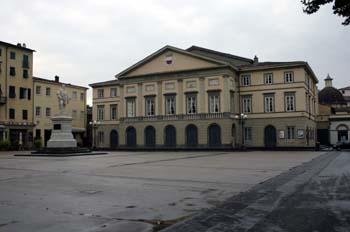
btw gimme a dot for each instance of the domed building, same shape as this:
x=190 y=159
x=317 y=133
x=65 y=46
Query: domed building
x=333 y=121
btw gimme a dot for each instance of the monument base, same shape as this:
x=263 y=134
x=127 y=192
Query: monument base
x=61 y=136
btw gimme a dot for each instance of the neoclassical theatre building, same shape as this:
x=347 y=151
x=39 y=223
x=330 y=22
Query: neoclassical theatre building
x=200 y=98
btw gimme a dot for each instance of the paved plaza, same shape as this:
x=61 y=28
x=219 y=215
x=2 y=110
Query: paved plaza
x=128 y=191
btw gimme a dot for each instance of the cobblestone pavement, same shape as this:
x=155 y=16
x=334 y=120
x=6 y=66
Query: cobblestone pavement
x=313 y=197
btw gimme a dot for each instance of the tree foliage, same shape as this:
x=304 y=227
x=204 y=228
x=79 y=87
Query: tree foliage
x=340 y=7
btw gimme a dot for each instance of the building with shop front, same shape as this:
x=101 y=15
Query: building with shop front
x=200 y=98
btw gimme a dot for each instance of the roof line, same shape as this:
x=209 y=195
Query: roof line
x=219 y=53
x=54 y=82
x=19 y=47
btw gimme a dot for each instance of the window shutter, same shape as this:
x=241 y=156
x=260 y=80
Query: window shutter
x=29 y=94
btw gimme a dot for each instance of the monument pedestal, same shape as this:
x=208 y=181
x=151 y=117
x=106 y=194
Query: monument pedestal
x=61 y=135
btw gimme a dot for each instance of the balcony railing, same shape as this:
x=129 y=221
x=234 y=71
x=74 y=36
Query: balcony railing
x=3 y=100
x=177 y=117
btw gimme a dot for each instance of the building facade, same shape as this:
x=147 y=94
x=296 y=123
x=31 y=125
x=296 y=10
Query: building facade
x=200 y=98
x=16 y=95
x=46 y=106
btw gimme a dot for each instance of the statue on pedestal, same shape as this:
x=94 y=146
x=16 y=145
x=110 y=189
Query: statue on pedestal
x=62 y=97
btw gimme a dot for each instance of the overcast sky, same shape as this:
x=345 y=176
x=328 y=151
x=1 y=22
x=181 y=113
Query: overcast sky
x=87 y=41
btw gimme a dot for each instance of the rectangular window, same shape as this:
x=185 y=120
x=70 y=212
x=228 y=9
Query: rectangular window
x=113 y=92
x=191 y=104
x=247 y=133
x=82 y=114
x=247 y=104
x=25 y=61
x=24 y=114
x=268 y=78
x=38 y=90
x=289 y=77
x=290 y=132
x=245 y=79
x=37 y=133
x=12 y=71
x=48 y=111
x=101 y=137
x=170 y=105
x=269 y=103
x=12 y=55
x=74 y=95
x=74 y=114
x=100 y=93
x=82 y=96
x=214 y=103
x=130 y=108
x=23 y=93
x=38 y=111
x=12 y=113
x=0 y=52
x=29 y=94
x=150 y=106
x=232 y=102
x=113 y=111
x=12 y=91
x=48 y=91
x=100 y=112
x=289 y=99
x=25 y=73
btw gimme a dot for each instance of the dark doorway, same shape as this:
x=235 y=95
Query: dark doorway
x=270 y=137
x=170 y=136
x=150 y=136
x=131 y=136
x=323 y=136
x=114 y=139
x=214 y=132
x=342 y=136
x=191 y=136
x=47 y=136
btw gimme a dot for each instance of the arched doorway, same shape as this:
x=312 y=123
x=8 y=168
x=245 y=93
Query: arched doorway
x=130 y=136
x=342 y=131
x=114 y=139
x=270 y=137
x=150 y=136
x=214 y=133
x=170 y=136
x=191 y=135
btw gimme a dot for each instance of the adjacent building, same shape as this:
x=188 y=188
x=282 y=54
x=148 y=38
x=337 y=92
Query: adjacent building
x=16 y=95
x=201 y=98
x=46 y=106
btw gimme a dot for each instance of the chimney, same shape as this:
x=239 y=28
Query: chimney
x=57 y=78
x=328 y=81
x=19 y=45
x=24 y=45
x=256 y=60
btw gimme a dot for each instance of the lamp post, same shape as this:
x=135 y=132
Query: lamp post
x=94 y=124
x=241 y=118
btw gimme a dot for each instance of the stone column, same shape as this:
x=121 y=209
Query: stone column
x=225 y=103
x=180 y=97
x=201 y=96
x=160 y=98
x=122 y=108
x=139 y=111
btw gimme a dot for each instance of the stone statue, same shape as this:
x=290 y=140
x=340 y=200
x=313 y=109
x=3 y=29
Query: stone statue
x=62 y=97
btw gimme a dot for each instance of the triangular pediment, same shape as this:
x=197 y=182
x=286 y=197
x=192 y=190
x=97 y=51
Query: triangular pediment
x=170 y=59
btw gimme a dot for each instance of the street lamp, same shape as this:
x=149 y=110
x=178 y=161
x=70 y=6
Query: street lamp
x=94 y=124
x=241 y=118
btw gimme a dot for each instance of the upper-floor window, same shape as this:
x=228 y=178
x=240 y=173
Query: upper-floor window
x=24 y=93
x=290 y=132
x=247 y=134
x=48 y=111
x=12 y=113
x=38 y=111
x=113 y=111
x=100 y=112
x=74 y=95
x=289 y=99
x=25 y=73
x=12 y=71
x=100 y=93
x=38 y=90
x=214 y=103
x=269 y=103
x=24 y=114
x=130 y=107
x=232 y=102
x=82 y=96
x=74 y=114
x=150 y=106
x=191 y=104
x=113 y=92
x=82 y=114
x=245 y=79
x=25 y=63
x=12 y=55
x=289 y=77
x=48 y=91
x=12 y=91
x=268 y=78
x=0 y=52
x=170 y=105
x=247 y=104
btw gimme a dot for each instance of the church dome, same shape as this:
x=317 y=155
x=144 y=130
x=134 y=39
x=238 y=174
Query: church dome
x=330 y=95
